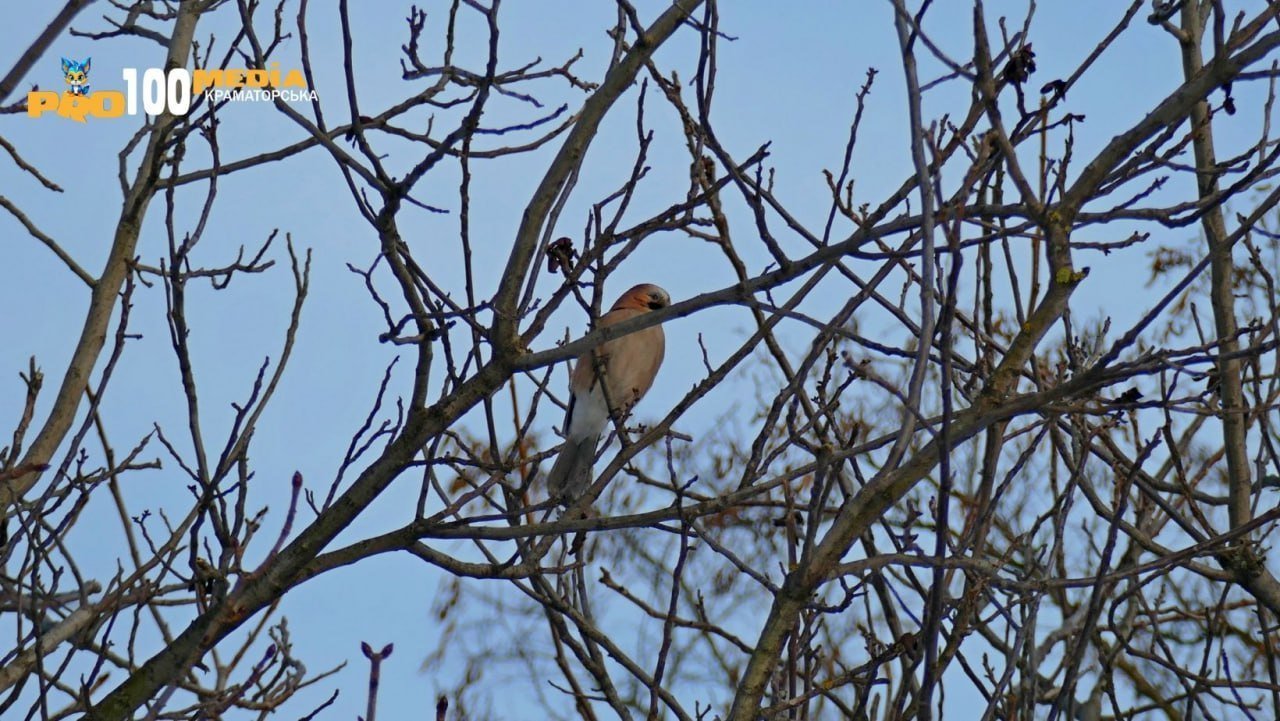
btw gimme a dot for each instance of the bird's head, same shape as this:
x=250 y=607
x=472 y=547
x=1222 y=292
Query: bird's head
x=646 y=296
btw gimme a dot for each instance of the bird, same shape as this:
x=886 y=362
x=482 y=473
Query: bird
x=614 y=376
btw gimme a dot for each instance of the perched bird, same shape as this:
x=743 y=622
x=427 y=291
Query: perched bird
x=613 y=376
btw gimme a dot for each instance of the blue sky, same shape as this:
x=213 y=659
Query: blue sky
x=789 y=77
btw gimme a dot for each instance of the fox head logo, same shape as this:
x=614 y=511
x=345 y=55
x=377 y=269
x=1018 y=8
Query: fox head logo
x=76 y=75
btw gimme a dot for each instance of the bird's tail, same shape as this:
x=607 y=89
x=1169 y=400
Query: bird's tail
x=571 y=474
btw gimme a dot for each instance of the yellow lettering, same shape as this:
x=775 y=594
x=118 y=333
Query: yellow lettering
x=74 y=107
x=233 y=78
x=39 y=101
x=255 y=78
x=202 y=79
x=108 y=104
x=294 y=79
x=102 y=104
